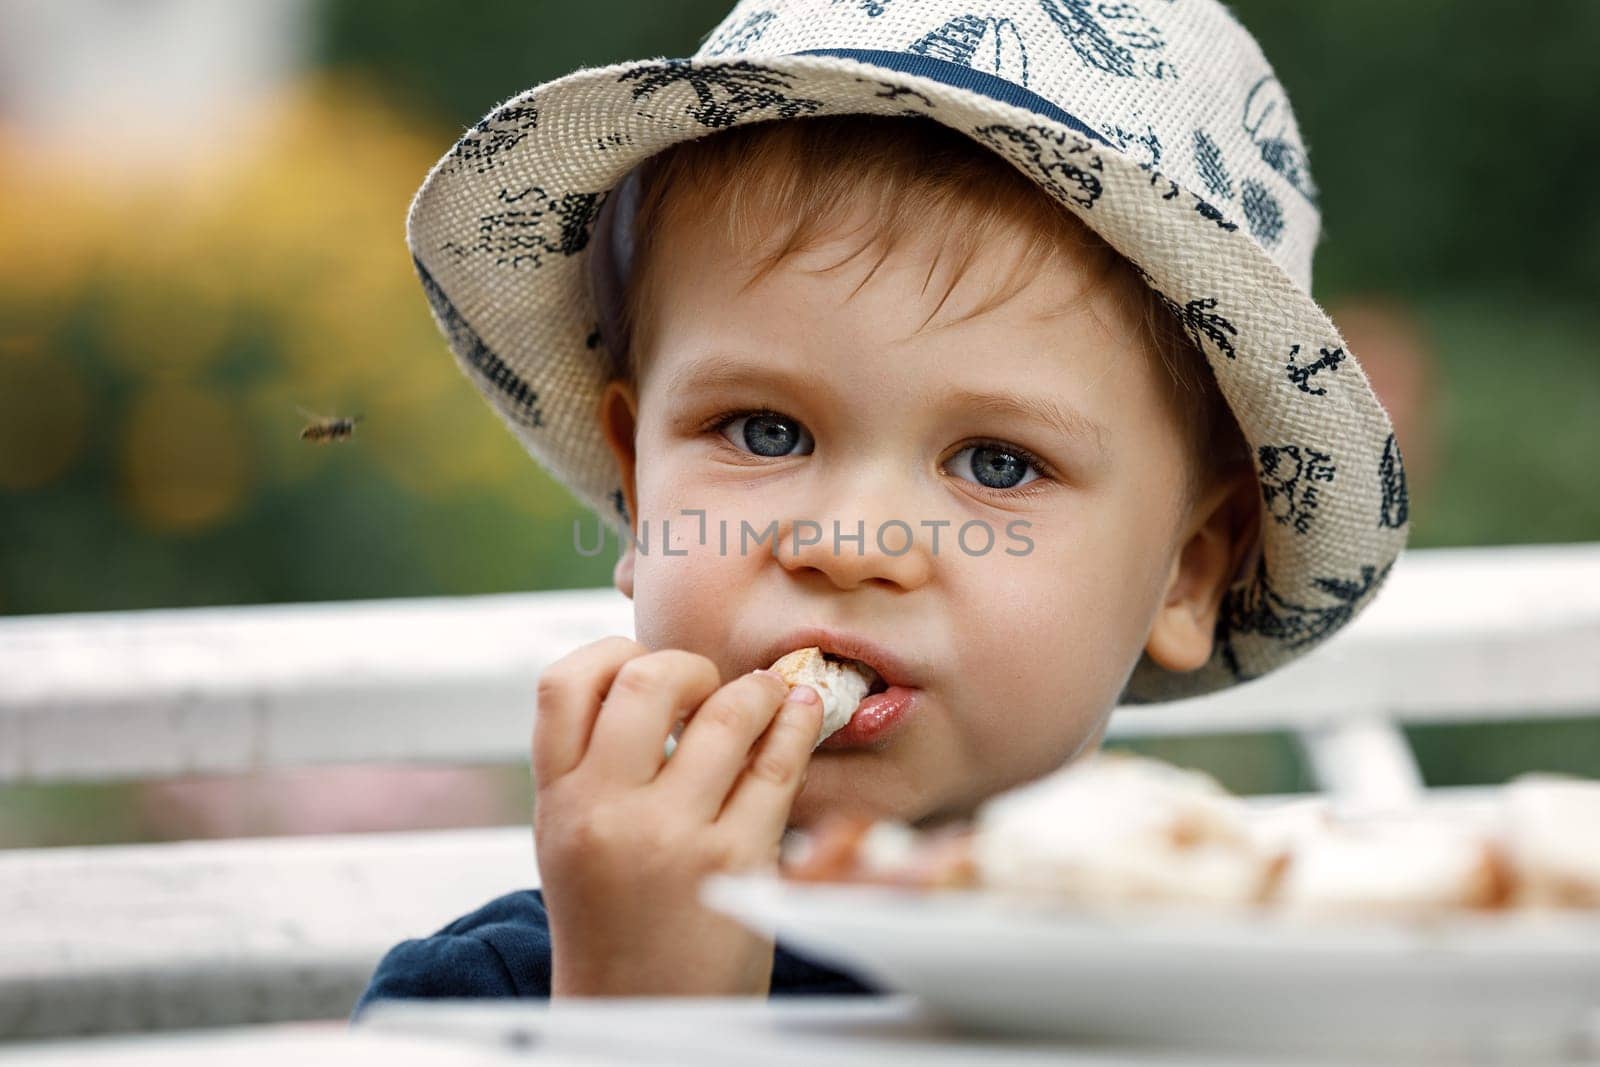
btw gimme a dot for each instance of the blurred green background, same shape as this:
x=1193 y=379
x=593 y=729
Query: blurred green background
x=158 y=332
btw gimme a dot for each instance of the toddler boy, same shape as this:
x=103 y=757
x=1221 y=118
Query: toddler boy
x=974 y=347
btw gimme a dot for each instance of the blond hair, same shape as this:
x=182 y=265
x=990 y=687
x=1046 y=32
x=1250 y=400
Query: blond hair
x=780 y=185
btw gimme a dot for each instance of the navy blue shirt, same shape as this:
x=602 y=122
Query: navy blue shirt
x=503 y=950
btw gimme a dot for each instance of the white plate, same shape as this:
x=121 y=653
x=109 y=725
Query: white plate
x=1519 y=986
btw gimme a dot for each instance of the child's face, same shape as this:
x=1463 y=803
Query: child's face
x=1019 y=653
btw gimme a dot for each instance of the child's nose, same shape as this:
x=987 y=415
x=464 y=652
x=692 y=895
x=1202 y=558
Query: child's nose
x=854 y=549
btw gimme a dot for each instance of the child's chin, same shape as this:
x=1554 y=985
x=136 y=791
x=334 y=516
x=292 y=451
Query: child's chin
x=812 y=805
x=829 y=791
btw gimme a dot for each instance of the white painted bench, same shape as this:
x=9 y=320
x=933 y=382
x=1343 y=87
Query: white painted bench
x=213 y=933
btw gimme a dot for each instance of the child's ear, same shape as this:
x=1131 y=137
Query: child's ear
x=618 y=412
x=1223 y=526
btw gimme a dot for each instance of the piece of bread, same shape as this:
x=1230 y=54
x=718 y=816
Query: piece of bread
x=1114 y=831
x=841 y=683
x=1550 y=830
x=1409 y=865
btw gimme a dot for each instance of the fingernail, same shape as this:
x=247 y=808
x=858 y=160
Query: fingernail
x=802 y=694
x=769 y=672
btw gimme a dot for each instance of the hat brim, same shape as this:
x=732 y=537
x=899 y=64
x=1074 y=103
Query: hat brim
x=500 y=230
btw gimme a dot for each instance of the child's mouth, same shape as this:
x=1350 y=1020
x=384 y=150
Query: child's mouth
x=875 y=682
x=881 y=712
x=861 y=707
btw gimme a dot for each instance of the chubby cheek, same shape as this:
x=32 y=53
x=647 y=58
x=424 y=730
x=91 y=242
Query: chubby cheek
x=689 y=601
x=671 y=594
x=1043 y=661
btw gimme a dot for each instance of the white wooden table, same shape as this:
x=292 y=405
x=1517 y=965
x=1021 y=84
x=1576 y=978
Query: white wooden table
x=271 y=1046
x=889 y=1031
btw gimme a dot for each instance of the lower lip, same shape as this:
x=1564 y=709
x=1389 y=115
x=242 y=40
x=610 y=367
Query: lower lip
x=876 y=719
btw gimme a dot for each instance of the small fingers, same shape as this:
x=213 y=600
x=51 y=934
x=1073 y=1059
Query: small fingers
x=648 y=696
x=569 y=695
x=716 y=744
x=758 y=807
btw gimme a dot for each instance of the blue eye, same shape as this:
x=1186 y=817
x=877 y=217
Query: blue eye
x=766 y=433
x=995 y=466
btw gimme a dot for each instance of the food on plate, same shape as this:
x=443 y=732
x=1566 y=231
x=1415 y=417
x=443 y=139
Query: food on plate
x=841 y=682
x=1403 y=866
x=1550 y=826
x=1279 y=825
x=857 y=848
x=1115 y=831
x=1122 y=830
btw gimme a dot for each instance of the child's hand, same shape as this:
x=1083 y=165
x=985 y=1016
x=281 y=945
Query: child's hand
x=624 y=835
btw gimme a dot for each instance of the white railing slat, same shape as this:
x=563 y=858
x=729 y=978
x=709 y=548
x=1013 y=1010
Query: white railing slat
x=1364 y=762
x=138 y=695
x=197 y=933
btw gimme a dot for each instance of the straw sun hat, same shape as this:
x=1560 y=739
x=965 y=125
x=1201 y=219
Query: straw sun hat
x=1158 y=122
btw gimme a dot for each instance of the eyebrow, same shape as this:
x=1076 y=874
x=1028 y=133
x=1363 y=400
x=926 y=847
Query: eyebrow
x=1063 y=421
x=718 y=371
